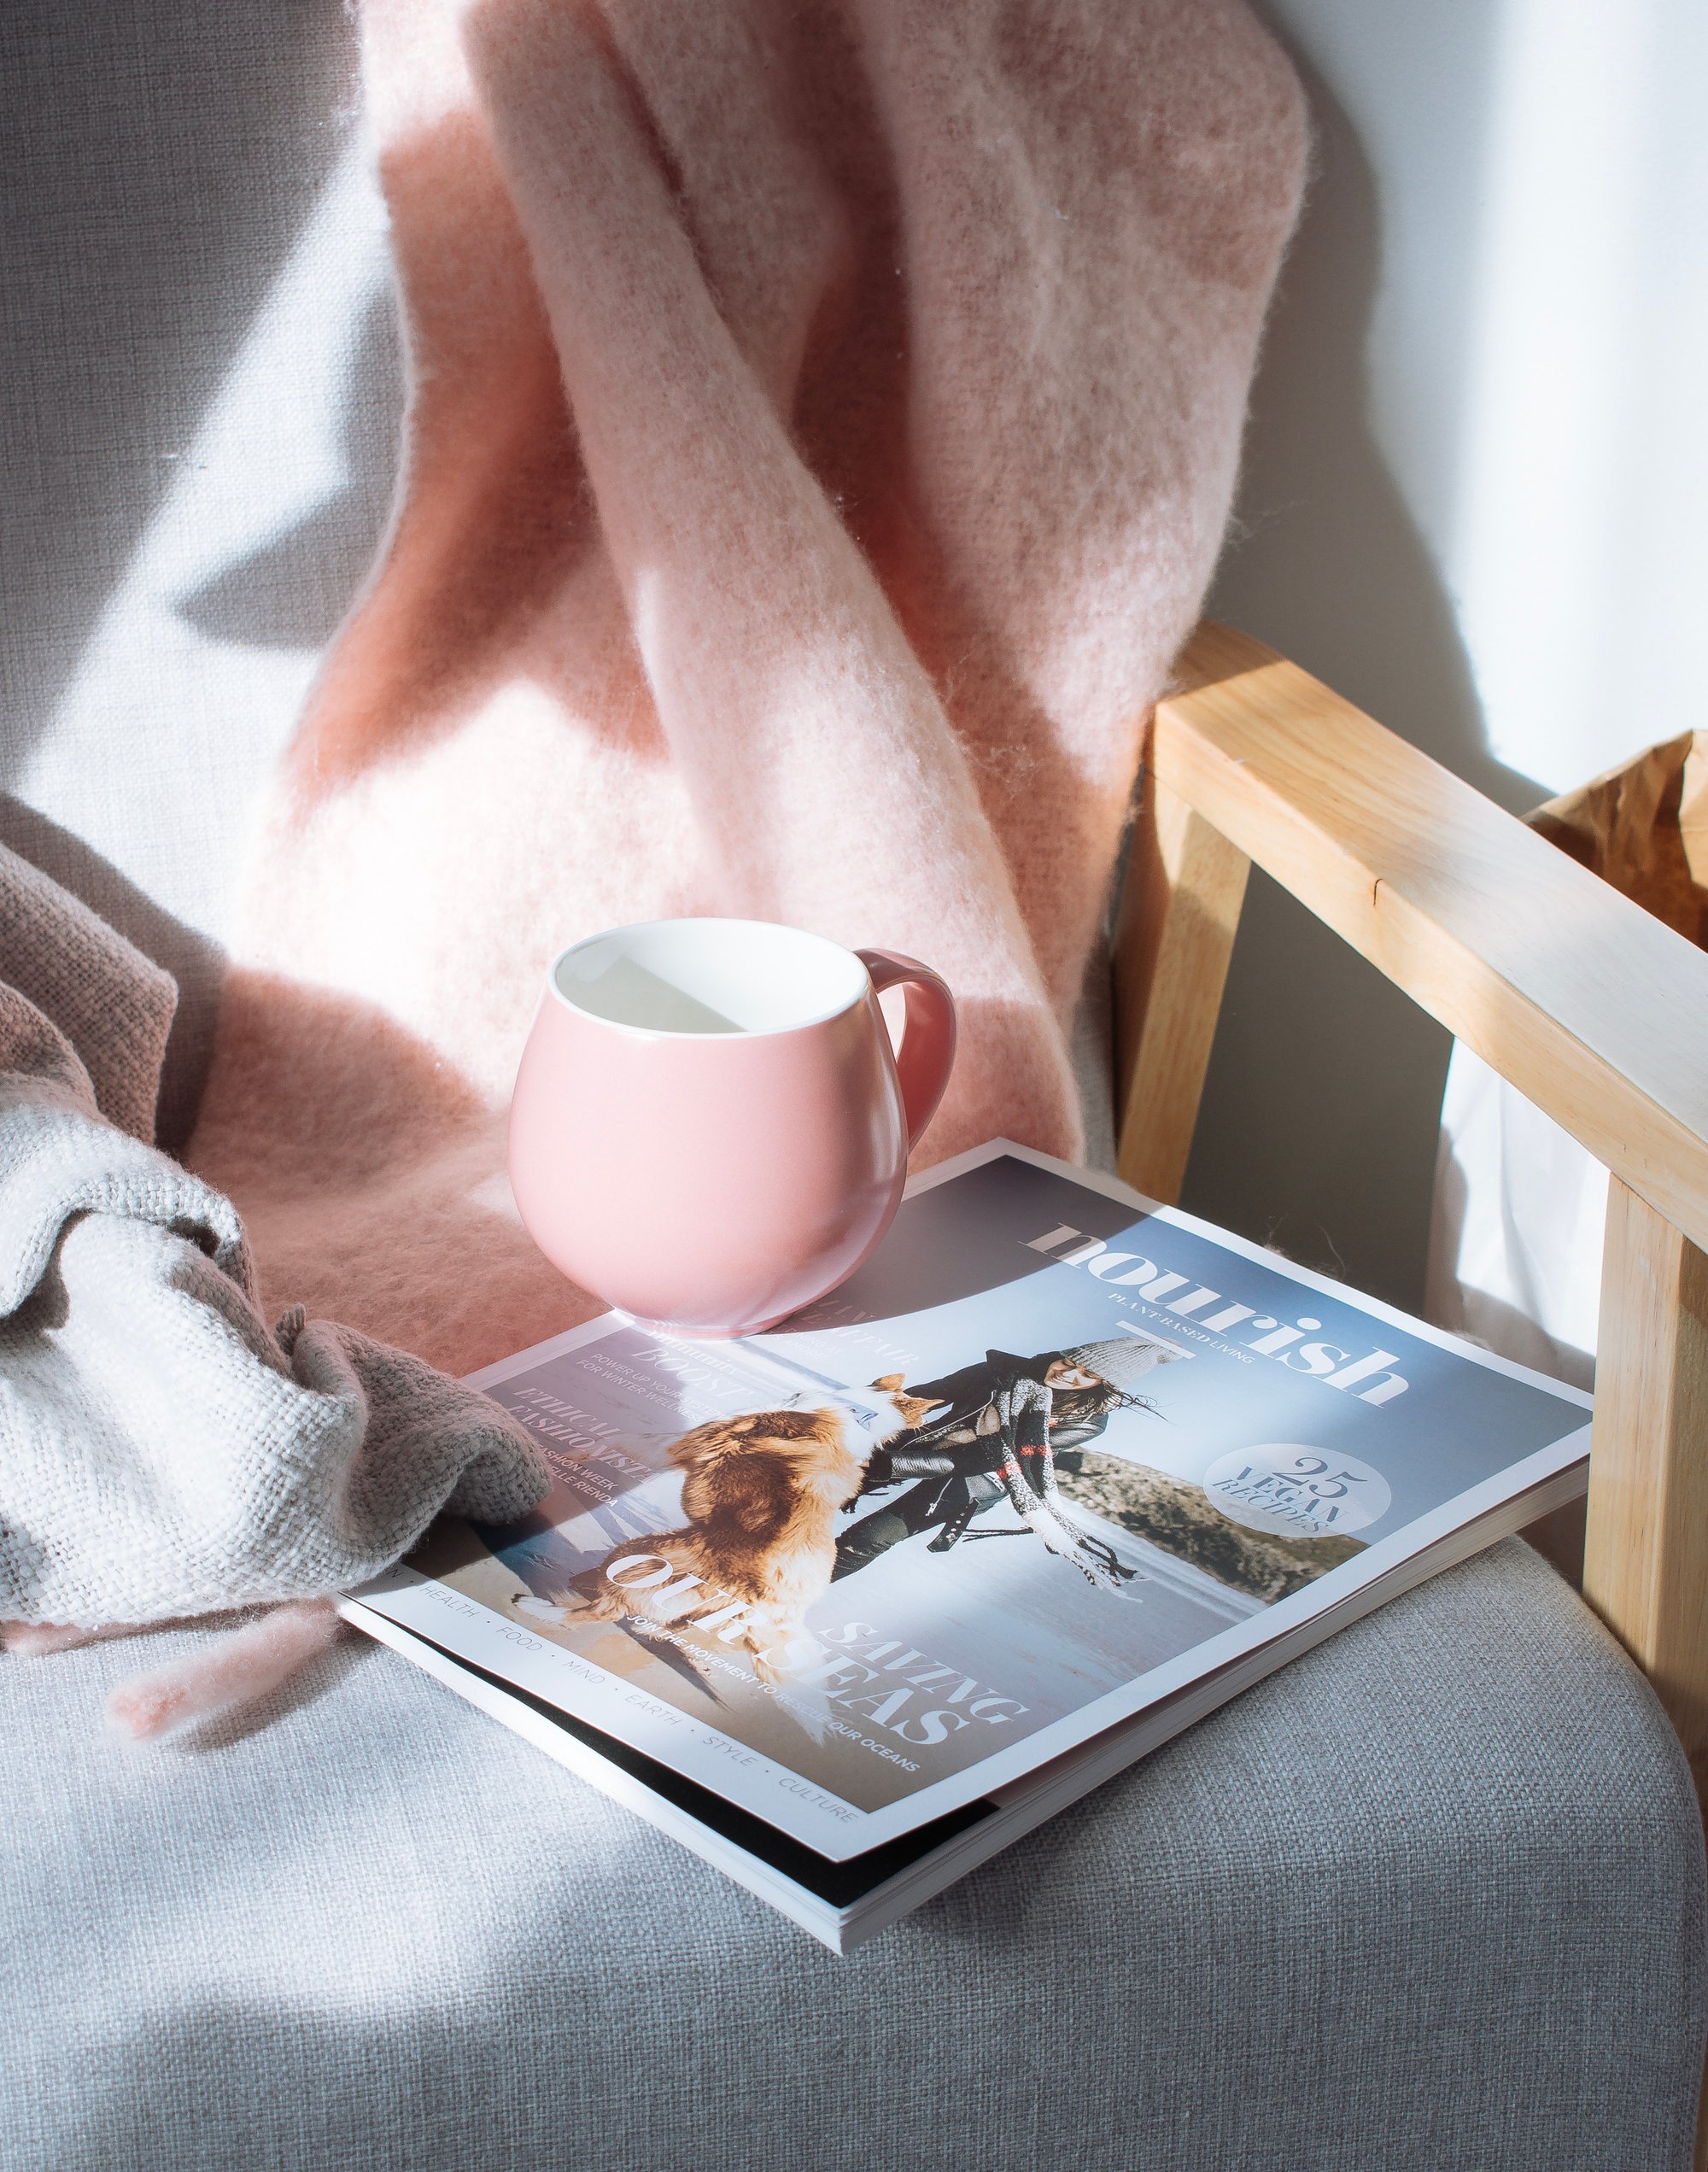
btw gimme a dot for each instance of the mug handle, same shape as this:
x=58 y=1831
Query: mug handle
x=926 y=1055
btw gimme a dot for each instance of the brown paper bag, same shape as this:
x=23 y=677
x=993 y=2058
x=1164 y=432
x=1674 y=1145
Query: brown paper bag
x=1643 y=827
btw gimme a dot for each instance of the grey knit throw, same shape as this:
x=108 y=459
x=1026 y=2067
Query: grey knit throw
x=163 y=1452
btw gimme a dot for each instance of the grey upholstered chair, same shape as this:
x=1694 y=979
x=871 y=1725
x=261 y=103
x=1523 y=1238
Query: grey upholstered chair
x=1431 y=1898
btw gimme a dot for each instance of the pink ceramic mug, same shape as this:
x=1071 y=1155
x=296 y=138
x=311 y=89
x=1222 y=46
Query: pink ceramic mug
x=710 y=1128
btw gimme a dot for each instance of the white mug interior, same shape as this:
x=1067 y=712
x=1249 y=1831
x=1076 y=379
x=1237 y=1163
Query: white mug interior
x=709 y=976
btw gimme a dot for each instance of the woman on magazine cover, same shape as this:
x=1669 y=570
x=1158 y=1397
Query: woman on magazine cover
x=1007 y=1421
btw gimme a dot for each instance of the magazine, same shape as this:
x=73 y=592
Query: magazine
x=850 y=1605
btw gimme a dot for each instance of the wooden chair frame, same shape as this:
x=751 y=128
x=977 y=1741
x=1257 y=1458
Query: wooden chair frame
x=1592 y=1008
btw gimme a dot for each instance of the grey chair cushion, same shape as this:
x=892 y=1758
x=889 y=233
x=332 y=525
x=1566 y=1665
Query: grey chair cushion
x=1430 y=1898
x=199 y=401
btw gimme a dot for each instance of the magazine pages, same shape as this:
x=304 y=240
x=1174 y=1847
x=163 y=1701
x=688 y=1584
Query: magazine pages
x=1052 y=1460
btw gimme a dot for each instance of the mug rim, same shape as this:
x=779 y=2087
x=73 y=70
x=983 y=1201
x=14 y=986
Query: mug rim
x=705 y=920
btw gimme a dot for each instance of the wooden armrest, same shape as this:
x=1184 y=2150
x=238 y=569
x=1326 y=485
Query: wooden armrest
x=1592 y=1008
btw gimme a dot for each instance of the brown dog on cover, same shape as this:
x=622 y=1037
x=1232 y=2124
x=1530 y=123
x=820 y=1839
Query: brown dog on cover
x=761 y=1493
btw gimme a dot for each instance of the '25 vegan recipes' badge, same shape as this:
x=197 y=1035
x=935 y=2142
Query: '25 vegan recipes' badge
x=1296 y=1492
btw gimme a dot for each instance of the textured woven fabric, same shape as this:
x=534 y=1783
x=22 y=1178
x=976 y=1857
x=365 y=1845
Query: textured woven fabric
x=82 y=1003
x=161 y=1451
x=1430 y=1900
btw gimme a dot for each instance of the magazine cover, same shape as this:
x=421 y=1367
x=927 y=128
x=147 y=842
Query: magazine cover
x=1046 y=1458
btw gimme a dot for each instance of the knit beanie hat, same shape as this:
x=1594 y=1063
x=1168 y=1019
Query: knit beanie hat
x=1123 y=1362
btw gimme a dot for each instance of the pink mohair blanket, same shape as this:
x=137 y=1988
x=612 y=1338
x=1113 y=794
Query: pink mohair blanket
x=822 y=423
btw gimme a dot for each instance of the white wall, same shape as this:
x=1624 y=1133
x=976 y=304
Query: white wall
x=1473 y=501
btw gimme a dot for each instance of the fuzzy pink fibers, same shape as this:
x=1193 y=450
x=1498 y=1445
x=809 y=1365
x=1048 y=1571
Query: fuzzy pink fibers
x=242 y=1666
x=824 y=420
x=26 y=1640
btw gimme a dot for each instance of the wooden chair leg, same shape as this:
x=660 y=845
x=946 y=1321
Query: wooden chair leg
x=1645 y=1546
x=1179 y=913
x=1646 y=1552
